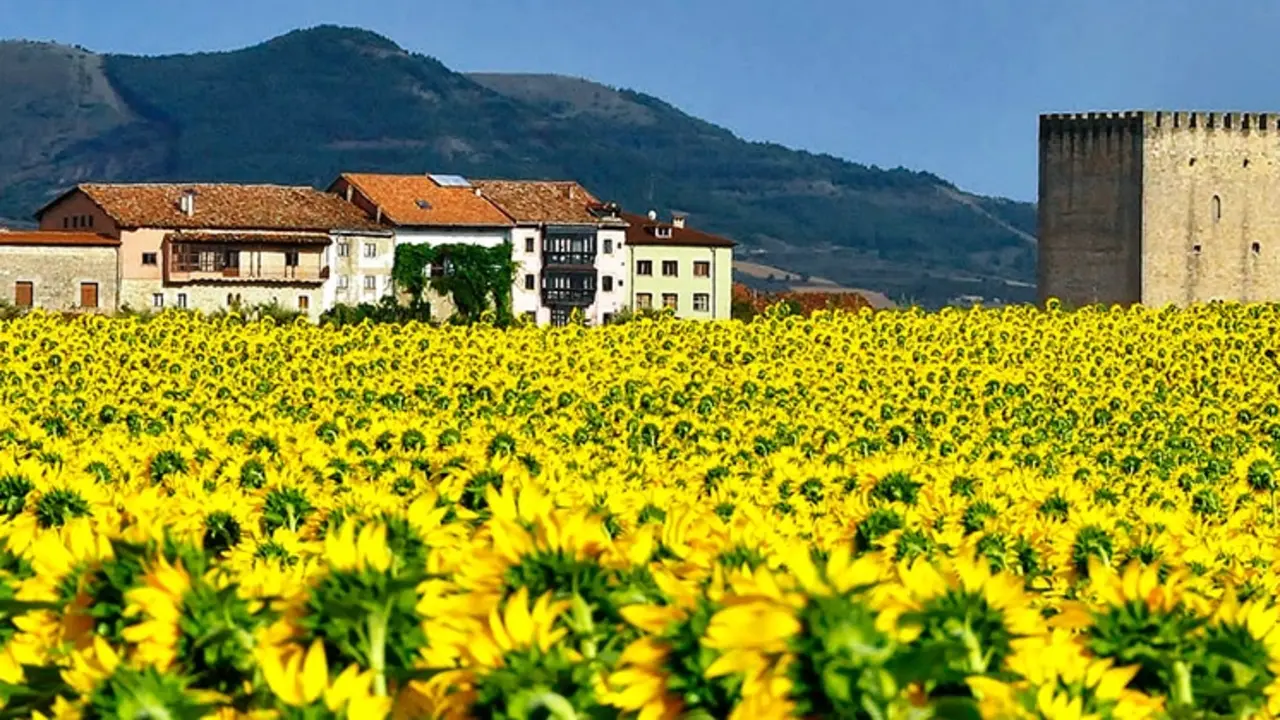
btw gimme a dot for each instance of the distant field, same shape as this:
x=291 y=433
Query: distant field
x=752 y=273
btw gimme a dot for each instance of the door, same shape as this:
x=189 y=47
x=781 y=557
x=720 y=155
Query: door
x=88 y=295
x=24 y=294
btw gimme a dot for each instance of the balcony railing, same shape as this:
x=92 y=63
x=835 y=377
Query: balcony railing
x=192 y=262
x=568 y=258
x=243 y=275
x=577 y=297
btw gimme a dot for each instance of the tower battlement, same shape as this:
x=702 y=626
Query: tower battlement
x=1085 y=122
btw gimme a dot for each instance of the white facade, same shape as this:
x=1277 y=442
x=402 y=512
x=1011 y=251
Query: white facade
x=362 y=265
x=361 y=268
x=526 y=249
x=611 y=263
x=611 y=271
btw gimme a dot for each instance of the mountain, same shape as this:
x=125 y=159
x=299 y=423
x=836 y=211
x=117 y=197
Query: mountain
x=306 y=105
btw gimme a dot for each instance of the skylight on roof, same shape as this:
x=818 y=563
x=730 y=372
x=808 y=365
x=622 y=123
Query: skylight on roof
x=450 y=180
x=423 y=204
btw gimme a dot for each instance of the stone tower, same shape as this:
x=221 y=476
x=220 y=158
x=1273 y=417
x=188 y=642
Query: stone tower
x=1159 y=207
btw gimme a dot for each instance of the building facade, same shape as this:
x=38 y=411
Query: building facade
x=215 y=246
x=572 y=250
x=417 y=210
x=1159 y=208
x=674 y=266
x=69 y=271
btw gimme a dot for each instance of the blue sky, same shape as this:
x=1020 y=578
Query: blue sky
x=949 y=86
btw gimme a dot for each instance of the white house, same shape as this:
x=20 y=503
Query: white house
x=418 y=209
x=571 y=246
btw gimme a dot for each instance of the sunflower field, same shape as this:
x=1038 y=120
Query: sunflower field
x=982 y=513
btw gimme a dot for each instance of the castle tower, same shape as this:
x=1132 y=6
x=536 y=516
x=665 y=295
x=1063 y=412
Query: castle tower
x=1159 y=207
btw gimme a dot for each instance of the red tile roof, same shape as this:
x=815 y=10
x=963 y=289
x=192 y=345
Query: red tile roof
x=417 y=200
x=543 y=201
x=54 y=237
x=223 y=206
x=643 y=231
x=241 y=238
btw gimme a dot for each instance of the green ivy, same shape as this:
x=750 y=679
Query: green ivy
x=477 y=278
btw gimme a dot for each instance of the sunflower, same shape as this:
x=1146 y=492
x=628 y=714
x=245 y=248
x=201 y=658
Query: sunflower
x=158 y=604
x=300 y=678
x=514 y=662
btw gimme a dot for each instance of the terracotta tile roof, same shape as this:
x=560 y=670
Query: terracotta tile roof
x=223 y=206
x=250 y=238
x=542 y=201
x=417 y=200
x=53 y=237
x=643 y=231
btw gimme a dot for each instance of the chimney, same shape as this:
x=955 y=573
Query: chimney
x=187 y=204
x=677 y=219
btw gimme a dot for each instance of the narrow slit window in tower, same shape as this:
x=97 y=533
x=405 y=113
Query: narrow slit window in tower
x=1217 y=208
x=1256 y=248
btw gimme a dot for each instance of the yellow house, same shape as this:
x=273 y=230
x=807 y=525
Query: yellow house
x=674 y=266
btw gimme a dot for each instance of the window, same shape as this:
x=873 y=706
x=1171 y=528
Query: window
x=671 y=300
x=664 y=231
x=1256 y=248
x=644 y=301
x=66 y=223
x=670 y=268
x=90 y=217
x=291 y=258
x=304 y=302
x=701 y=302
x=528 y=244
x=148 y=258
x=608 y=247
x=157 y=300
x=606 y=283
x=531 y=316
x=607 y=319
x=344 y=249
x=24 y=293
x=644 y=267
x=370 y=250
x=701 y=268
x=1217 y=208
x=371 y=282
x=565 y=247
x=560 y=316
x=344 y=282
x=182 y=300
x=530 y=282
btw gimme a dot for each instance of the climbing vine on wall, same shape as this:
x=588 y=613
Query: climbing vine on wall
x=476 y=278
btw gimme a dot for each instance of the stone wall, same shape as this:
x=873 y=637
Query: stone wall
x=211 y=297
x=1211 y=227
x=56 y=273
x=1090 y=205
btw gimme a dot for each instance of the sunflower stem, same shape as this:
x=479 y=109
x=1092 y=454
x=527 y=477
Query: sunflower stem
x=378 y=650
x=1182 y=695
x=555 y=704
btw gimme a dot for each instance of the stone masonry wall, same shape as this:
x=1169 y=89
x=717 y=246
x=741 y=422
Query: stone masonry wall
x=1211 y=218
x=56 y=273
x=140 y=295
x=1090 y=208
